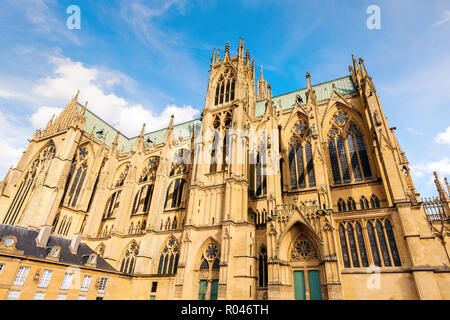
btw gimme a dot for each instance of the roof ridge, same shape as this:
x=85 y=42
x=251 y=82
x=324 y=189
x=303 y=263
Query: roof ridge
x=289 y=92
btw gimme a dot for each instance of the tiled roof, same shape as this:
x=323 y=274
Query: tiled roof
x=26 y=242
x=125 y=143
x=323 y=91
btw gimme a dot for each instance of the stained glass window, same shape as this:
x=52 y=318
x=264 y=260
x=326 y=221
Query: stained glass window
x=334 y=162
x=351 y=242
x=344 y=246
x=392 y=244
x=361 y=246
x=383 y=245
x=373 y=244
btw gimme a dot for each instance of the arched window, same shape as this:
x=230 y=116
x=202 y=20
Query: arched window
x=392 y=244
x=364 y=204
x=344 y=246
x=174 y=194
x=225 y=88
x=37 y=172
x=373 y=244
x=351 y=205
x=301 y=166
x=129 y=258
x=347 y=151
x=62 y=226
x=361 y=246
x=123 y=175
x=352 y=243
x=76 y=178
x=55 y=223
x=181 y=159
x=341 y=205
x=383 y=245
x=149 y=171
x=142 y=199
x=263 y=273
x=174 y=223
x=351 y=237
x=112 y=205
x=131 y=228
x=374 y=202
x=69 y=224
x=168 y=261
x=260 y=174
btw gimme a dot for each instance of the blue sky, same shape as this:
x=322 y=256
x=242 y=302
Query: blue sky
x=141 y=61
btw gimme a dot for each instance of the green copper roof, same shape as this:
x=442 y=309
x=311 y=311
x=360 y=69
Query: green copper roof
x=126 y=144
x=323 y=91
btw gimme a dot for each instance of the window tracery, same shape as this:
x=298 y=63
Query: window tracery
x=347 y=150
x=225 y=88
x=351 y=236
x=35 y=174
x=303 y=249
x=301 y=165
x=76 y=177
x=129 y=258
x=168 y=261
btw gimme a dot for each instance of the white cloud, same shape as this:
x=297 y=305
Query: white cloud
x=427 y=167
x=12 y=138
x=443 y=137
x=69 y=76
x=40 y=118
x=443 y=20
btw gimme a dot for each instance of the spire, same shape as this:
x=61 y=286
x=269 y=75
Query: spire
x=261 y=74
x=308 y=80
x=447 y=185
x=168 y=136
x=363 y=68
x=218 y=55
x=213 y=58
x=116 y=139
x=227 y=50
x=442 y=194
x=83 y=110
x=247 y=56
x=141 y=134
x=355 y=65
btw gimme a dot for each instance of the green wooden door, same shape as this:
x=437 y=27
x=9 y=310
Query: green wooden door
x=315 y=290
x=202 y=289
x=299 y=285
x=214 y=289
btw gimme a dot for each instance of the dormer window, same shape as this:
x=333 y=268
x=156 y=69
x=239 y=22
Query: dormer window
x=92 y=259
x=55 y=252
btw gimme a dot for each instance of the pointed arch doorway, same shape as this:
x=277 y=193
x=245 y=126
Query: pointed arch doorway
x=306 y=268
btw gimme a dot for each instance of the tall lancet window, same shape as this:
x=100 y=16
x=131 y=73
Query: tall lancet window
x=168 y=260
x=35 y=174
x=225 y=88
x=142 y=199
x=76 y=178
x=301 y=165
x=347 y=150
x=129 y=258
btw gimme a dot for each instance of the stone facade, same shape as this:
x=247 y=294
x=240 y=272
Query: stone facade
x=320 y=204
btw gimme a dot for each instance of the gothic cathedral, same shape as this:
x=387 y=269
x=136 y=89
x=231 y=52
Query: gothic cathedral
x=305 y=195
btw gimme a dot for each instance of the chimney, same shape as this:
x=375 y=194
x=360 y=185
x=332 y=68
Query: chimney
x=75 y=243
x=44 y=234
